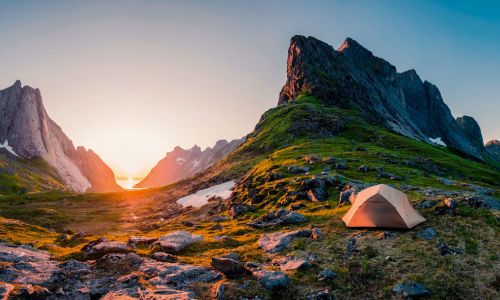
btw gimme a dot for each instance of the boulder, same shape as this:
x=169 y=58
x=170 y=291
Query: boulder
x=238 y=209
x=444 y=249
x=450 y=203
x=311 y=159
x=427 y=234
x=228 y=266
x=138 y=241
x=271 y=280
x=347 y=195
x=326 y=275
x=177 y=241
x=164 y=257
x=410 y=290
x=176 y=274
x=427 y=204
x=321 y=295
x=316 y=195
x=278 y=217
x=105 y=247
x=298 y=169
x=290 y=263
x=278 y=241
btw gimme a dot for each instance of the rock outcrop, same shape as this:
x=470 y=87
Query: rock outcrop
x=493 y=149
x=181 y=163
x=29 y=132
x=352 y=75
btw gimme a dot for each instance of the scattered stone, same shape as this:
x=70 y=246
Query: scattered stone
x=274 y=176
x=444 y=249
x=290 y=263
x=446 y=181
x=321 y=295
x=106 y=247
x=316 y=195
x=330 y=160
x=298 y=169
x=232 y=255
x=253 y=265
x=427 y=234
x=164 y=257
x=311 y=159
x=228 y=266
x=138 y=241
x=177 y=241
x=278 y=217
x=439 y=211
x=389 y=235
x=347 y=195
x=190 y=224
x=278 y=241
x=271 y=280
x=450 y=203
x=219 y=218
x=427 y=204
x=238 y=209
x=364 y=169
x=341 y=166
x=326 y=275
x=411 y=290
x=119 y=262
x=316 y=233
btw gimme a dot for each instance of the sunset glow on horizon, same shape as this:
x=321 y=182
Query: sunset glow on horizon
x=131 y=80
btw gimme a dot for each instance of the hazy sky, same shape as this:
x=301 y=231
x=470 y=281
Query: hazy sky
x=132 y=79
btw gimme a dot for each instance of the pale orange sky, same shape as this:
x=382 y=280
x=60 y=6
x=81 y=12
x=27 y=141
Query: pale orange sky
x=133 y=79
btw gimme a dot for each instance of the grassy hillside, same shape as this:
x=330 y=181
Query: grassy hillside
x=18 y=175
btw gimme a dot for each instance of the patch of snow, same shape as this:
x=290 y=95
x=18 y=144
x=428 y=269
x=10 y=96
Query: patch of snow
x=437 y=141
x=201 y=197
x=6 y=146
x=180 y=160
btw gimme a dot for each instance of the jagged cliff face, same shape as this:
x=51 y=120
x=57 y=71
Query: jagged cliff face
x=493 y=149
x=352 y=75
x=181 y=163
x=29 y=131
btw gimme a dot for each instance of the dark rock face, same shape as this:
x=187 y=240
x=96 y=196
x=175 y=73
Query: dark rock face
x=410 y=290
x=352 y=75
x=493 y=149
x=181 y=163
x=28 y=129
x=471 y=129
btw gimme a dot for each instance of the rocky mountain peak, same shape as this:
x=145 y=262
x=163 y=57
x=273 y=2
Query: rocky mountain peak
x=28 y=129
x=493 y=149
x=471 y=128
x=353 y=77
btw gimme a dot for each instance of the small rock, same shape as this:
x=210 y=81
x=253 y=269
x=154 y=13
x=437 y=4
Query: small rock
x=311 y=159
x=316 y=233
x=411 y=290
x=326 y=275
x=232 y=255
x=177 y=241
x=341 y=166
x=427 y=234
x=321 y=295
x=190 y=224
x=238 y=209
x=330 y=160
x=298 y=169
x=316 y=195
x=228 y=266
x=278 y=217
x=278 y=241
x=364 y=169
x=347 y=195
x=450 y=203
x=164 y=257
x=106 y=247
x=290 y=263
x=253 y=265
x=444 y=249
x=427 y=204
x=135 y=241
x=389 y=235
x=271 y=280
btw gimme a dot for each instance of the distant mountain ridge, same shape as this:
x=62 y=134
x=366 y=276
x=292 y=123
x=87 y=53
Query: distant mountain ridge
x=181 y=163
x=29 y=132
x=352 y=75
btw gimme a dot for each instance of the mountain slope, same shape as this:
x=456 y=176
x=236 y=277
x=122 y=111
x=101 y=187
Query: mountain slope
x=26 y=127
x=180 y=163
x=493 y=149
x=352 y=75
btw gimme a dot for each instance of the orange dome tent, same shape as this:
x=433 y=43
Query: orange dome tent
x=382 y=206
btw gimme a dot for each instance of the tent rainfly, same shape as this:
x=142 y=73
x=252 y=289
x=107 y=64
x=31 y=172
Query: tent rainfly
x=382 y=206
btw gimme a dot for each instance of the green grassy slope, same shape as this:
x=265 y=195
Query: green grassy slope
x=19 y=175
